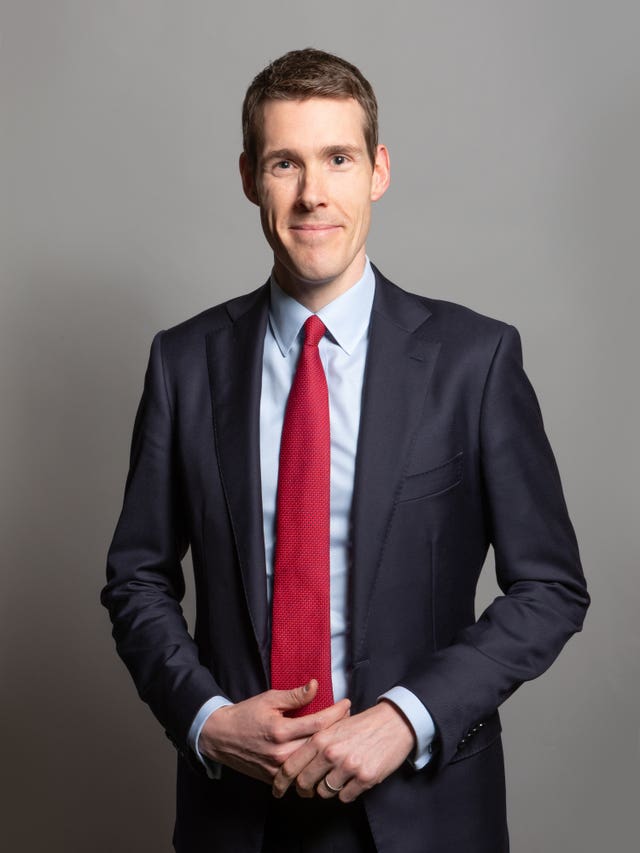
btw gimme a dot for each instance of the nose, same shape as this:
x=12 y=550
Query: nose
x=312 y=189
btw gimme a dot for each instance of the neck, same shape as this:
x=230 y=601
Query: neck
x=314 y=295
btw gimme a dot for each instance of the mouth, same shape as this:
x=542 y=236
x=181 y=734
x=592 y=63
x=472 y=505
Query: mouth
x=314 y=226
x=311 y=229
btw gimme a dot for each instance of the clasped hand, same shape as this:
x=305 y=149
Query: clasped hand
x=351 y=752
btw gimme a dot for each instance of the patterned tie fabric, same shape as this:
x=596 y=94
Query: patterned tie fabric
x=301 y=631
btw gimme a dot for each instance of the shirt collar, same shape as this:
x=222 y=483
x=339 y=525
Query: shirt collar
x=346 y=317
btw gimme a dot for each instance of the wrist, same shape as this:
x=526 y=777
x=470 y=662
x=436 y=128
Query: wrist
x=211 y=736
x=396 y=718
x=420 y=720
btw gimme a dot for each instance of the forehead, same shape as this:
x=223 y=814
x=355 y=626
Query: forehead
x=311 y=123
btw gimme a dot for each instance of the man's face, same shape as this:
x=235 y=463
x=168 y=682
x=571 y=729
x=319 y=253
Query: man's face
x=314 y=184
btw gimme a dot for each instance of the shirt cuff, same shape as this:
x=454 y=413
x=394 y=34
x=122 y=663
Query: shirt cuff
x=212 y=767
x=420 y=721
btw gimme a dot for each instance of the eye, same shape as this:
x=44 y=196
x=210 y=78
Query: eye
x=338 y=160
x=283 y=164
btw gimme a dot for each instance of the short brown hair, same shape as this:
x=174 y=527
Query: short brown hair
x=302 y=74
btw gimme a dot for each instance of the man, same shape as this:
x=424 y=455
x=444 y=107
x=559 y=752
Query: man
x=338 y=454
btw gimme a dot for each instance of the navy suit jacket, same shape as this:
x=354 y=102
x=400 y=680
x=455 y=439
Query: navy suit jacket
x=452 y=457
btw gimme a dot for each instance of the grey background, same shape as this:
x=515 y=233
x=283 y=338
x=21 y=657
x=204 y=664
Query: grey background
x=514 y=130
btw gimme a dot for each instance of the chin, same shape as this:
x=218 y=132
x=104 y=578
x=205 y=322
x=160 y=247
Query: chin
x=317 y=276
x=313 y=273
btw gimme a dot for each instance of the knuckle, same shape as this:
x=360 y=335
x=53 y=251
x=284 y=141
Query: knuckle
x=287 y=771
x=366 y=778
x=277 y=732
x=279 y=755
x=331 y=753
x=351 y=765
x=321 y=739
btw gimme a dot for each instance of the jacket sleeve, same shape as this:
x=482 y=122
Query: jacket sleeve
x=537 y=564
x=145 y=583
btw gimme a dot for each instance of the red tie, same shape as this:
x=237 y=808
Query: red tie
x=301 y=631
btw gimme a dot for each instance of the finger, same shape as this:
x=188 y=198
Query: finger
x=300 y=727
x=309 y=779
x=276 y=756
x=297 y=697
x=290 y=769
x=329 y=788
x=351 y=791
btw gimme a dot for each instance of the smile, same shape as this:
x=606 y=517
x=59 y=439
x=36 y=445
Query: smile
x=313 y=230
x=318 y=227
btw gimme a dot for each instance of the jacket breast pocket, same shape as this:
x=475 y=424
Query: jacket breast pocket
x=435 y=481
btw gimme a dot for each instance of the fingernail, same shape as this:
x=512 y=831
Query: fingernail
x=307 y=687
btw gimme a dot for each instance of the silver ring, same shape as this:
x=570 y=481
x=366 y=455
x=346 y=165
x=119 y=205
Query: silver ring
x=331 y=788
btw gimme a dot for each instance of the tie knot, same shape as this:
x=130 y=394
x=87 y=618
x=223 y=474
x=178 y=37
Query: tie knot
x=314 y=329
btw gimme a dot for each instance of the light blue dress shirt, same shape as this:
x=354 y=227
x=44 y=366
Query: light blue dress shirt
x=343 y=352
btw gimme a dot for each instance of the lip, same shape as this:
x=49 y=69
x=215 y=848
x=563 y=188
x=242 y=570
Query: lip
x=313 y=233
x=314 y=229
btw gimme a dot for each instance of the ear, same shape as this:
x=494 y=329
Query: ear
x=248 y=180
x=381 y=177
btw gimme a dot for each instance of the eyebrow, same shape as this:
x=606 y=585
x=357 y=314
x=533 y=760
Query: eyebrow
x=354 y=151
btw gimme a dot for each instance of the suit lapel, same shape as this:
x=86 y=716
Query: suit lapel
x=400 y=362
x=234 y=355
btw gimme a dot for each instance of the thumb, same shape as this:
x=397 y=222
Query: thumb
x=297 y=697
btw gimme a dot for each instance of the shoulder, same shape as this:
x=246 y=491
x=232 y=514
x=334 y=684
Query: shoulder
x=192 y=332
x=440 y=319
x=475 y=335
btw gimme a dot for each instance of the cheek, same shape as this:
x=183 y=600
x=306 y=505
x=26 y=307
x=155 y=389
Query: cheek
x=273 y=208
x=363 y=218
x=268 y=210
x=266 y=220
x=355 y=201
